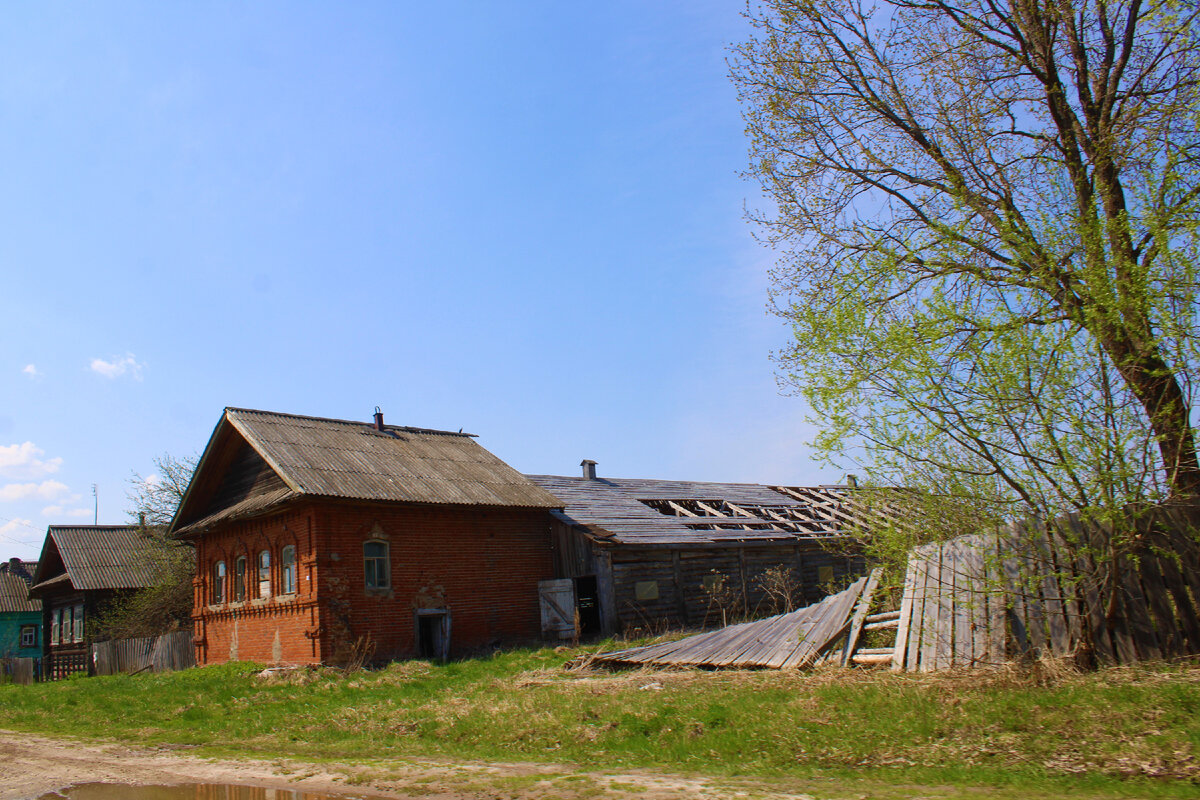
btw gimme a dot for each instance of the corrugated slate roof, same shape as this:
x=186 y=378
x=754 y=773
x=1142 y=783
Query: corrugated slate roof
x=319 y=457
x=339 y=458
x=14 y=594
x=615 y=509
x=100 y=557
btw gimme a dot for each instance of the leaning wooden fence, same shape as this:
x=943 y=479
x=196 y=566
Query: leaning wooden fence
x=1108 y=594
x=170 y=651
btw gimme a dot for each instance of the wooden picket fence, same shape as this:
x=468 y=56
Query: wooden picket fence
x=169 y=651
x=1108 y=594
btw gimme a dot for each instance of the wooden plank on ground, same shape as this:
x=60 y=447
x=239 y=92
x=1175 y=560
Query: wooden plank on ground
x=929 y=617
x=906 y=609
x=996 y=605
x=860 y=614
x=1090 y=585
x=1052 y=598
x=960 y=602
x=1068 y=581
x=1031 y=583
x=943 y=655
x=978 y=607
x=1014 y=593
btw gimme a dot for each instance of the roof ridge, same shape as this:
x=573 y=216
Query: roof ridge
x=362 y=423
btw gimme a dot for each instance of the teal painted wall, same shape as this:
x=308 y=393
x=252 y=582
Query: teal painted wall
x=10 y=634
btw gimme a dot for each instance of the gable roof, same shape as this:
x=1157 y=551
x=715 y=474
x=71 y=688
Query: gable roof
x=678 y=513
x=15 y=579
x=257 y=460
x=91 y=557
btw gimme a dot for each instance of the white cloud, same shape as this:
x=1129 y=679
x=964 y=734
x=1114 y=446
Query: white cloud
x=46 y=490
x=17 y=526
x=25 y=461
x=32 y=371
x=118 y=366
x=61 y=511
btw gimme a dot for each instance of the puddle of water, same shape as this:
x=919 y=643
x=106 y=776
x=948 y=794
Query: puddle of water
x=188 y=791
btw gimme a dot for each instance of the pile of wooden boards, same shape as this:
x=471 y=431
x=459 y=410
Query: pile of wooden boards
x=793 y=640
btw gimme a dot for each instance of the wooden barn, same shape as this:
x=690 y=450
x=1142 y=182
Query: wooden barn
x=633 y=554
x=83 y=567
x=322 y=540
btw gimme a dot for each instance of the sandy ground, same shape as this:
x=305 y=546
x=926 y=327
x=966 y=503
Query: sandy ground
x=32 y=765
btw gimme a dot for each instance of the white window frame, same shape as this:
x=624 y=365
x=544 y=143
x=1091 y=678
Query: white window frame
x=262 y=573
x=374 y=564
x=287 y=569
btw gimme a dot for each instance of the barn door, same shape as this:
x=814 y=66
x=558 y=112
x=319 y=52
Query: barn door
x=558 y=608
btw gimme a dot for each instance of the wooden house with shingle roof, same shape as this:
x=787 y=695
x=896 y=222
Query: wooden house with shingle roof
x=320 y=538
x=20 y=615
x=657 y=554
x=81 y=569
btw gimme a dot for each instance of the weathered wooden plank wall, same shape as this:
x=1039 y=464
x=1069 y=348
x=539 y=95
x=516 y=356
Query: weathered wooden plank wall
x=170 y=651
x=1105 y=593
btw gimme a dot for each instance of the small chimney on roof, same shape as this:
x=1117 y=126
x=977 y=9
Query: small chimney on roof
x=378 y=419
x=589 y=469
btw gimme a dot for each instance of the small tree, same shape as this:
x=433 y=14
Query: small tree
x=167 y=605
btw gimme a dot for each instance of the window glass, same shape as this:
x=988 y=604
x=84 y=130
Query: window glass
x=77 y=620
x=56 y=626
x=264 y=573
x=375 y=565
x=29 y=636
x=287 y=569
x=218 y=583
x=239 y=579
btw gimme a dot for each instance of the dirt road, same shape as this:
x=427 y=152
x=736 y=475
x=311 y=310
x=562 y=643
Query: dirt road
x=33 y=765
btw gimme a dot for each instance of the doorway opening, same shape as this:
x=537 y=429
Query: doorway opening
x=433 y=633
x=587 y=602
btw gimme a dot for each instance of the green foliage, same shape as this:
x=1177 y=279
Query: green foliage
x=1127 y=732
x=989 y=236
x=167 y=605
x=161 y=608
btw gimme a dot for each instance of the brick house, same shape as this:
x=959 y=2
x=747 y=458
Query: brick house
x=81 y=569
x=317 y=538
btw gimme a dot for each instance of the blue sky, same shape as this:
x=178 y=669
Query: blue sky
x=520 y=219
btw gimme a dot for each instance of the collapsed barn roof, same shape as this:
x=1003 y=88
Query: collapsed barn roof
x=257 y=461
x=633 y=511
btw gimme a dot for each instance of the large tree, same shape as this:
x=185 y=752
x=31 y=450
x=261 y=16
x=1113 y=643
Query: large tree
x=988 y=217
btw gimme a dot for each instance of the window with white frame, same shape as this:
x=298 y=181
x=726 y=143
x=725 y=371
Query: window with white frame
x=287 y=569
x=239 y=579
x=29 y=636
x=56 y=626
x=218 y=583
x=264 y=573
x=77 y=623
x=375 y=565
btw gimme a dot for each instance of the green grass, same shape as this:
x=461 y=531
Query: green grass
x=1121 y=732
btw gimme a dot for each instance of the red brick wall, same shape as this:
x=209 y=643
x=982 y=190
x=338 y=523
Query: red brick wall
x=481 y=564
x=277 y=629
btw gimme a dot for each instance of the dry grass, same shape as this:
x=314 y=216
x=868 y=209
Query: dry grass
x=1044 y=725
